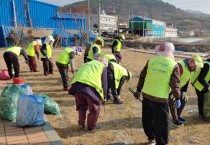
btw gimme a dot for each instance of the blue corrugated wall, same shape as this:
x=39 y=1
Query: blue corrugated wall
x=43 y=15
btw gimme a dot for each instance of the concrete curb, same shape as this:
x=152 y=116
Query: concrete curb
x=51 y=133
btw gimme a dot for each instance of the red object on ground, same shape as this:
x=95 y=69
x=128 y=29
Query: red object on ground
x=4 y=75
x=18 y=81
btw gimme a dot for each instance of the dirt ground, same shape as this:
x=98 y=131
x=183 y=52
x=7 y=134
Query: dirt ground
x=117 y=124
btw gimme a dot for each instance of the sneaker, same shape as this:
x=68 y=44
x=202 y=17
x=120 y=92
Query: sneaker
x=118 y=101
x=151 y=142
x=181 y=119
x=178 y=123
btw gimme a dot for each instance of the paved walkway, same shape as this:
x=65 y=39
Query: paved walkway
x=42 y=135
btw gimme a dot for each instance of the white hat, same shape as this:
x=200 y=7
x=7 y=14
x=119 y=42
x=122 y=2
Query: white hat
x=39 y=42
x=50 y=38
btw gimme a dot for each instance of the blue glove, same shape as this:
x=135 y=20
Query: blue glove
x=178 y=103
x=46 y=57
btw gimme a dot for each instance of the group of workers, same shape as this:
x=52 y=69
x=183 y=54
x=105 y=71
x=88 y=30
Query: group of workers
x=163 y=82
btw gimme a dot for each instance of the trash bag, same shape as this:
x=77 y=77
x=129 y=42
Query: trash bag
x=50 y=106
x=27 y=89
x=30 y=111
x=4 y=75
x=8 y=101
x=206 y=106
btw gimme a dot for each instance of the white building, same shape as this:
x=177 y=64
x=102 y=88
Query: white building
x=107 y=22
x=171 y=32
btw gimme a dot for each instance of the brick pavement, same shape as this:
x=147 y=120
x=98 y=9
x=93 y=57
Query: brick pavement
x=42 y=135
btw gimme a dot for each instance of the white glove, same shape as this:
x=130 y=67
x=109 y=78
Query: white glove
x=172 y=98
x=185 y=96
x=209 y=88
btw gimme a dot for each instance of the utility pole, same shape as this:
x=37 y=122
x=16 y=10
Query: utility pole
x=14 y=13
x=143 y=26
x=88 y=14
x=132 y=24
x=99 y=16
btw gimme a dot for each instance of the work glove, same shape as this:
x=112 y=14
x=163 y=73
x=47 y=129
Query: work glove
x=185 y=96
x=46 y=57
x=137 y=94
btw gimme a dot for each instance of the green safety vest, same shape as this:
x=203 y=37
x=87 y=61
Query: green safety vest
x=30 y=50
x=14 y=49
x=90 y=52
x=194 y=80
x=158 y=77
x=119 y=45
x=64 y=57
x=185 y=76
x=90 y=74
x=48 y=51
x=119 y=72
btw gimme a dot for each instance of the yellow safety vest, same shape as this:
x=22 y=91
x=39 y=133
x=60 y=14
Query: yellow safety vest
x=64 y=57
x=14 y=49
x=90 y=74
x=119 y=72
x=185 y=76
x=158 y=77
x=30 y=50
x=48 y=51
x=90 y=52
x=194 y=80
x=119 y=45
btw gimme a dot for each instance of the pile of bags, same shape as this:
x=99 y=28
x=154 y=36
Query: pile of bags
x=17 y=101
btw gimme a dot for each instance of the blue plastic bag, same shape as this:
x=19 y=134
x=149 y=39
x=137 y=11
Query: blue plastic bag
x=30 y=111
x=27 y=89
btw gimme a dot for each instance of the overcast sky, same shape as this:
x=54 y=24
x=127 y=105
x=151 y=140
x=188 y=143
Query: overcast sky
x=200 y=5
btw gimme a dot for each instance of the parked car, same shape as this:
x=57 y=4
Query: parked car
x=108 y=34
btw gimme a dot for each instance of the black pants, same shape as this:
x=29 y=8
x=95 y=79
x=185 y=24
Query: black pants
x=11 y=60
x=200 y=95
x=48 y=66
x=64 y=75
x=155 y=121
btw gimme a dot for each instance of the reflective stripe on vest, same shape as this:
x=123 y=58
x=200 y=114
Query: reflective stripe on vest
x=119 y=45
x=30 y=50
x=119 y=72
x=64 y=57
x=14 y=49
x=90 y=52
x=158 y=77
x=48 y=51
x=90 y=73
x=185 y=76
x=195 y=81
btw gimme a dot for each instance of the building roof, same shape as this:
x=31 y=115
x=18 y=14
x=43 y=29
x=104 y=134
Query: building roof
x=69 y=16
x=140 y=18
x=42 y=1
